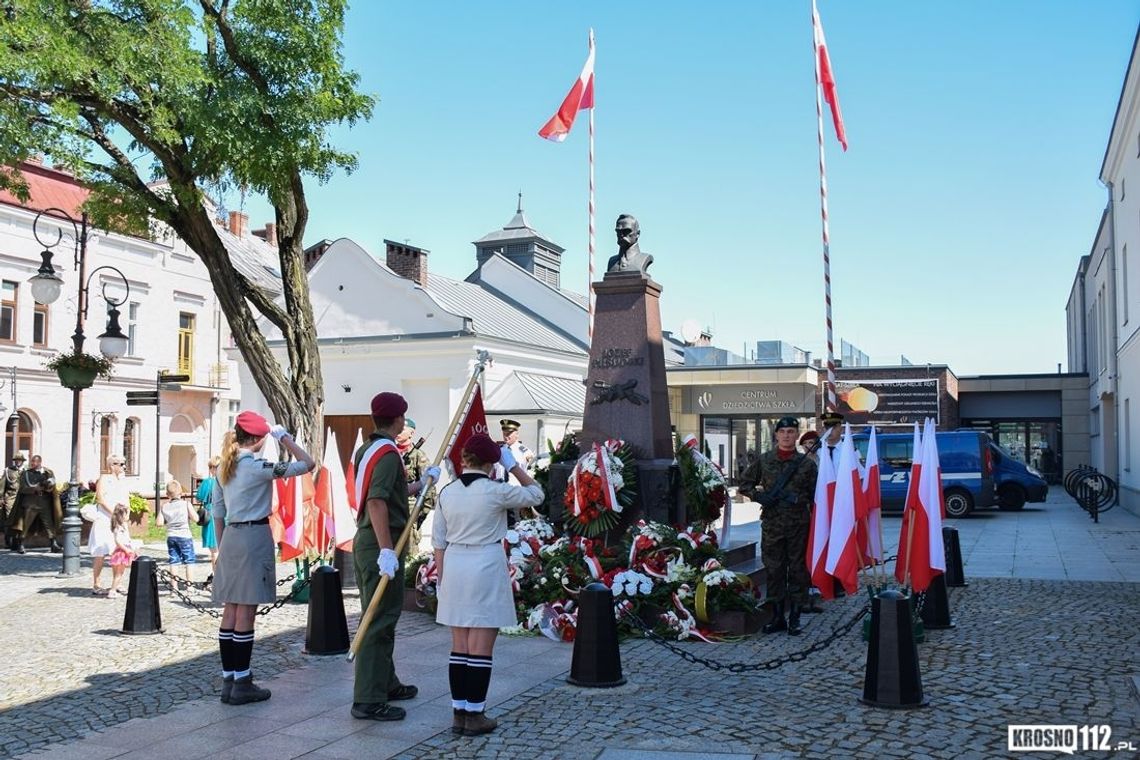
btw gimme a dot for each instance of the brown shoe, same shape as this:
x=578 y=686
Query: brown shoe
x=458 y=721
x=478 y=723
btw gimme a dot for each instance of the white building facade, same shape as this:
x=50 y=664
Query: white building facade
x=1103 y=313
x=173 y=323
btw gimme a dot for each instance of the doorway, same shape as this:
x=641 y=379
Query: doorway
x=182 y=465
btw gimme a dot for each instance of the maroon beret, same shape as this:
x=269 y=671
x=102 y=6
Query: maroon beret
x=252 y=423
x=388 y=405
x=810 y=435
x=482 y=448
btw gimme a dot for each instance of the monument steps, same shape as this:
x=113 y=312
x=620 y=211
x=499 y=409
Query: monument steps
x=742 y=557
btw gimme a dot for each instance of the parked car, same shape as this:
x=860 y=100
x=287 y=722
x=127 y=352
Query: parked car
x=967 y=462
x=1015 y=482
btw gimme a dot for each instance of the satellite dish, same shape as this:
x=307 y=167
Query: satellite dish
x=691 y=330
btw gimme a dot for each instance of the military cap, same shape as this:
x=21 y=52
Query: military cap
x=252 y=423
x=509 y=426
x=20 y=457
x=787 y=422
x=810 y=435
x=388 y=405
x=831 y=418
x=482 y=448
x=409 y=423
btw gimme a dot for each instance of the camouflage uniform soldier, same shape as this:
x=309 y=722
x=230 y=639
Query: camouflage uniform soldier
x=8 y=490
x=416 y=463
x=784 y=483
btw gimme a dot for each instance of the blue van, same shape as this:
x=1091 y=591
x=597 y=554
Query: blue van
x=1015 y=482
x=966 y=458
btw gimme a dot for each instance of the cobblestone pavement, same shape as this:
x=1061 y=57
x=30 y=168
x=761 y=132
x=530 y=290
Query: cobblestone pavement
x=68 y=671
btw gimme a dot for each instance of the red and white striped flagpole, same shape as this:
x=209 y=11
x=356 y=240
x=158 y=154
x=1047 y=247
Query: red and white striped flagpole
x=590 y=282
x=830 y=400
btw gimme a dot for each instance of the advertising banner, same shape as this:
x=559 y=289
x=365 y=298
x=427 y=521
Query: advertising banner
x=887 y=402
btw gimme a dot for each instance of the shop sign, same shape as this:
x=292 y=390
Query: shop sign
x=887 y=401
x=797 y=399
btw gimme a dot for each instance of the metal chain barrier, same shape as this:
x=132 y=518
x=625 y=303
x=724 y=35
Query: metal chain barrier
x=740 y=667
x=173 y=582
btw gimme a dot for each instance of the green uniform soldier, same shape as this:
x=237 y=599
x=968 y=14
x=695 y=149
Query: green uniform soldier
x=783 y=481
x=416 y=463
x=8 y=490
x=36 y=497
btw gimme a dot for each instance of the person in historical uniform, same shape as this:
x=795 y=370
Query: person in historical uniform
x=523 y=455
x=382 y=493
x=10 y=487
x=36 y=497
x=246 y=573
x=475 y=597
x=783 y=482
x=416 y=463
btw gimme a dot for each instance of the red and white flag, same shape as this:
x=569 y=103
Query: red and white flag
x=337 y=489
x=820 y=529
x=350 y=473
x=870 y=537
x=580 y=97
x=475 y=421
x=291 y=502
x=842 y=552
x=827 y=77
x=911 y=503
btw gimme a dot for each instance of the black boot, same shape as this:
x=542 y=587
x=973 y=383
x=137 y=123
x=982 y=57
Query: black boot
x=18 y=544
x=777 y=623
x=244 y=690
x=8 y=540
x=54 y=547
x=794 y=627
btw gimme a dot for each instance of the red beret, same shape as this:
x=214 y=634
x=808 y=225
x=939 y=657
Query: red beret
x=482 y=448
x=388 y=405
x=253 y=423
x=810 y=435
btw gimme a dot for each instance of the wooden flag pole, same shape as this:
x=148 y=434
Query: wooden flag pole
x=909 y=544
x=449 y=439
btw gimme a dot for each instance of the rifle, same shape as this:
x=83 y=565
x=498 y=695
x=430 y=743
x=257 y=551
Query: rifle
x=772 y=498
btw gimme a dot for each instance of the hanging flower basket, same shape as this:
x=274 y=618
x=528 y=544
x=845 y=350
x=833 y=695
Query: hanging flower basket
x=79 y=370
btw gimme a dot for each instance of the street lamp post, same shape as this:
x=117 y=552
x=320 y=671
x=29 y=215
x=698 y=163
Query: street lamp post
x=46 y=286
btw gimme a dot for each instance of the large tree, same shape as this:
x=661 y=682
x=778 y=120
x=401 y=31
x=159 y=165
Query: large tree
x=155 y=103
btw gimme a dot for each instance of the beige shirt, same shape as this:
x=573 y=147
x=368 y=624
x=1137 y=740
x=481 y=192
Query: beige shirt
x=477 y=514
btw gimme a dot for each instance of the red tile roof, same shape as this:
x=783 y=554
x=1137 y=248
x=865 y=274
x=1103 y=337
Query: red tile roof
x=49 y=188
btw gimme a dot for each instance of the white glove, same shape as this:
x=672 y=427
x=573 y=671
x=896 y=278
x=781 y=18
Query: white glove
x=431 y=472
x=388 y=563
x=279 y=432
x=507 y=458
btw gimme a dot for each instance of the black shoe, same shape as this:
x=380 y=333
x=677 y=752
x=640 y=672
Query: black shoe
x=244 y=691
x=54 y=547
x=18 y=545
x=227 y=688
x=794 y=627
x=402 y=692
x=377 y=712
x=777 y=623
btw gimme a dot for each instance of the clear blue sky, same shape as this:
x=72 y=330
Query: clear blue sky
x=958 y=215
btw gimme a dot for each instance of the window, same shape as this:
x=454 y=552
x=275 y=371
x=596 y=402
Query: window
x=1102 y=330
x=131 y=446
x=8 y=293
x=132 y=328
x=1124 y=281
x=18 y=436
x=104 y=444
x=897 y=453
x=235 y=407
x=186 y=344
x=40 y=325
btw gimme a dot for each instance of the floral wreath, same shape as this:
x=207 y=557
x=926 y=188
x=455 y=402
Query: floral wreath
x=706 y=492
x=600 y=488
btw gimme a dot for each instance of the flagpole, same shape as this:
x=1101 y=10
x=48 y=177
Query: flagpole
x=829 y=399
x=590 y=282
x=449 y=439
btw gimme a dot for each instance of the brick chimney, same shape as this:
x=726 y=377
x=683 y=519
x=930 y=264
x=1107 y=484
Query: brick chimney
x=407 y=261
x=269 y=234
x=238 y=223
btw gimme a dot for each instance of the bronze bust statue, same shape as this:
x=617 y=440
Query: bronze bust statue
x=629 y=257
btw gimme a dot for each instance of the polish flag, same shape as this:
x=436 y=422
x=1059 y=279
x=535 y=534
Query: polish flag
x=909 y=505
x=350 y=473
x=337 y=490
x=870 y=538
x=825 y=77
x=820 y=529
x=474 y=422
x=927 y=558
x=291 y=495
x=842 y=552
x=580 y=97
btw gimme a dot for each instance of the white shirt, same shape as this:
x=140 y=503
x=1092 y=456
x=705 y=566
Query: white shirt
x=477 y=514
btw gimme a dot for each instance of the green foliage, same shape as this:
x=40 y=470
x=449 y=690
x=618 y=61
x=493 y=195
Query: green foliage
x=101 y=366
x=138 y=504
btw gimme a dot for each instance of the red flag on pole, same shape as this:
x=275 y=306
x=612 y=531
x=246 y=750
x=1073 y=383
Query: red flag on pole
x=827 y=78
x=870 y=530
x=580 y=97
x=906 y=529
x=474 y=421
